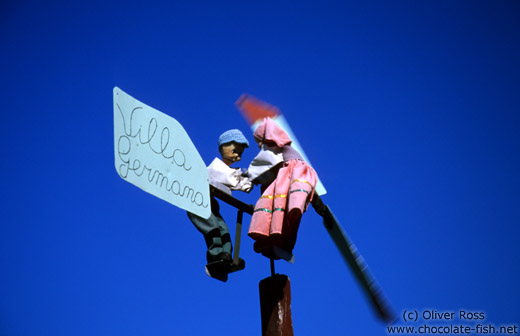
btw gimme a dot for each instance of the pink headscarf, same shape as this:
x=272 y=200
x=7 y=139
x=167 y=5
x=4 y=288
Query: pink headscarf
x=269 y=131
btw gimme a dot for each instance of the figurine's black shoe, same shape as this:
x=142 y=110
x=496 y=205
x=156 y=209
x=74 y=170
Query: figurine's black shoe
x=225 y=256
x=220 y=269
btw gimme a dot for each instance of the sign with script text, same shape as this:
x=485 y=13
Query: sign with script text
x=154 y=152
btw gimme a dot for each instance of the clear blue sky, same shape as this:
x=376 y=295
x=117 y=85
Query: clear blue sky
x=408 y=110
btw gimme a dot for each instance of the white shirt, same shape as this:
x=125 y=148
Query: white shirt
x=265 y=160
x=226 y=178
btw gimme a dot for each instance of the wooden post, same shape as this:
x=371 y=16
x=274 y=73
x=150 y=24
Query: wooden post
x=238 y=233
x=275 y=306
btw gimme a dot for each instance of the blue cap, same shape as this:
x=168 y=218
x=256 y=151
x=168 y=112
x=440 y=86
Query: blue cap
x=232 y=135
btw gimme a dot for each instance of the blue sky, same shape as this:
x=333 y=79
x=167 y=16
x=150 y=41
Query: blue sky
x=408 y=110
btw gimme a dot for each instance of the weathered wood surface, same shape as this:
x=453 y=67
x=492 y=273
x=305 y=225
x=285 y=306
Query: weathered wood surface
x=275 y=305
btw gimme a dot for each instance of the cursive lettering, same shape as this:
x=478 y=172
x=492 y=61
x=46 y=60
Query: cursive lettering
x=163 y=148
x=160 y=142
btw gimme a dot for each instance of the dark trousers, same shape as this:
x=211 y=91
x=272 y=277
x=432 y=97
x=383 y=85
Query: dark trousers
x=215 y=231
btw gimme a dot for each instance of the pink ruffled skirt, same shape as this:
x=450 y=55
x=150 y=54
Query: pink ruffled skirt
x=279 y=210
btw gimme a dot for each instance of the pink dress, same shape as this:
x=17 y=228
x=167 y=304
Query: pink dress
x=279 y=210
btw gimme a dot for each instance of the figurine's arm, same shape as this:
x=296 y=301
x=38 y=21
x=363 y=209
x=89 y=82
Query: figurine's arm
x=232 y=178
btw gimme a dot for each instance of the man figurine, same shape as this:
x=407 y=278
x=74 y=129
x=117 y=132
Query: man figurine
x=231 y=144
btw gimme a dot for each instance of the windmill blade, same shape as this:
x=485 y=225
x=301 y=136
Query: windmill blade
x=355 y=261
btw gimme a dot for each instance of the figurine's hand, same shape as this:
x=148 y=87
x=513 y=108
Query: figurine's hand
x=244 y=184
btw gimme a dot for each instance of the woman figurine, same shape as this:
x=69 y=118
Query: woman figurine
x=278 y=212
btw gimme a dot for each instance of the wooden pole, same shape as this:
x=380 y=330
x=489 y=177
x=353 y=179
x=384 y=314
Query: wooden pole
x=275 y=306
x=238 y=233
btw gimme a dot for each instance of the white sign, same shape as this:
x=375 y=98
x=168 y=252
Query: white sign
x=154 y=152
